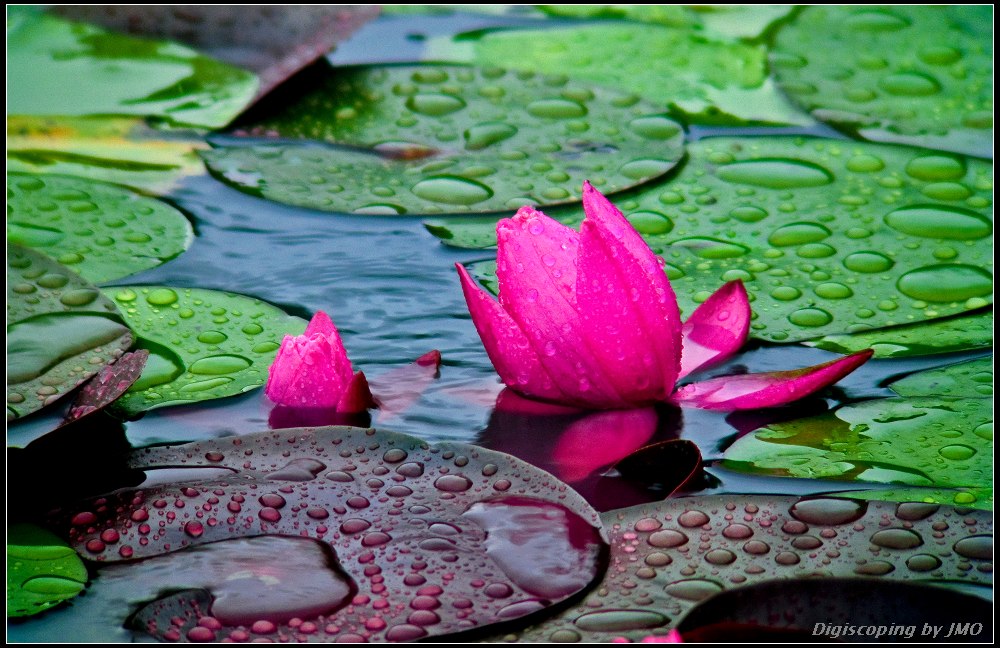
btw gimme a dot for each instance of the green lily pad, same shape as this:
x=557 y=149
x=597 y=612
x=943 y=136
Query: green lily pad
x=706 y=79
x=100 y=231
x=445 y=139
x=57 y=67
x=969 y=497
x=122 y=150
x=60 y=331
x=911 y=74
x=828 y=237
x=202 y=344
x=928 y=441
x=42 y=570
x=668 y=557
x=926 y=338
x=973 y=378
x=735 y=21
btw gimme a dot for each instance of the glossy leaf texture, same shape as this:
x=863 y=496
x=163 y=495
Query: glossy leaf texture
x=272 y=41
x=969 y=379
x=122 y=150
x=736 y=21
x=202 y=344
x=973 y=331
x=809 y=225
x=707 y=79
x=108 y=385
x=60 y=331
x=418 y=540
x=443 y=139
x=969 y=497
x=42 y=570
x=101 y=231
x=910 y=74
x=668 y=557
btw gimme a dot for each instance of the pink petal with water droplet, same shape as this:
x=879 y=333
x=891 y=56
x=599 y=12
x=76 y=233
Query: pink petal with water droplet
x=600 y=440
x=537 y=274
x=627 y=304
x=716 y=329
x=507 y=346
x=755 y=391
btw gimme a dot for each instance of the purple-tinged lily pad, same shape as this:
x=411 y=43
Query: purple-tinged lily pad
x=668 y=557
x=272 y=41
x=60 y=331
x=108 y=385
x=434 y=539
x=841 y=609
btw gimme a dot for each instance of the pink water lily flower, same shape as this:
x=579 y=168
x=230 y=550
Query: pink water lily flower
x=312 y=371
x=589 y=319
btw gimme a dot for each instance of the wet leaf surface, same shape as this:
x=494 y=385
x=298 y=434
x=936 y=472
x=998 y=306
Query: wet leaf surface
x=202 y=344
x=63 y=68
x=970 y=497
x=429 y=540
x=668 y=557
x=707 y=79
x=973 y=331
x=108 y=385
x=807 y=224
x=914 y=75
x=272 y=41
x=60 y=331
x=42 y=570
x=120 y=150
x=928 y=441
x=736 y=21
x=443 y=139
x=973 y=378
x=101 y=231
x=851 y=610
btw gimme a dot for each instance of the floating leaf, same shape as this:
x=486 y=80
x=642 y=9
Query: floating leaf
x=973 y=378
x=42 y=570
x=840 y=609
x=56 y=67
x=273 y=41
x=443 y=139
x=930 y=441
x=708 y=80
x=970 y=497
x=808 y=223
x=669 y=556
x=202 y=344
x=926 y=338
x=101 y=231
x=432 y=539
x=109 y=383
x=120 y=150
x=912 y=74
x=735 y=21
x=60 y=331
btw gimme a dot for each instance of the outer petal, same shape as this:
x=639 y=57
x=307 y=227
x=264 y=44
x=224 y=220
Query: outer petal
x=716 y=329
x=357 y=396
x=507 y=346
x=755 y=391
x=537 y=273
x=322 y=325
x=627 y=303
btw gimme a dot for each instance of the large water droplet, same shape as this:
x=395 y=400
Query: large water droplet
x=798 y=234
x=161 y=297
x=434 y=104
x=556 y=108
x=452 y=190
x=810 y=317
x=897 y=539
x=876 y=21
x=828 y=511
x=694 y=589
x=946 y=283
x=776 y=173
x=219 y=365
x=655 y=127
x=936 y=168
x=488 y=133
x=936 y=221
x=709 y=248
x=977 y=547
x=621 y=620
x=910 y=84
x=868 y=262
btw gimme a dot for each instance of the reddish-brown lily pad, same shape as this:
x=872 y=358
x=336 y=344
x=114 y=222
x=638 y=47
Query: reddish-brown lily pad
x=432 y=539
x=668 y=557
x=109 y=383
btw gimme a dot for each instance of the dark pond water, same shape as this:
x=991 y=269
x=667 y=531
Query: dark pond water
x=392 y=290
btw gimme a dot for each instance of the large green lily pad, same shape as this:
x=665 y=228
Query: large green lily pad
x=202 y=344
x=419 y=540
x=42 y=570
x=973 y=378
x=926 y=338
x=927 y=441
x=969 y=497
x=912 y=74
x=827 y=236
x=708 y=80
x=736 y=21
x=123 y=150
x=101 y=231
x=445 y=139
x=60 y=331
x=669 y=556
x=57 y=67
